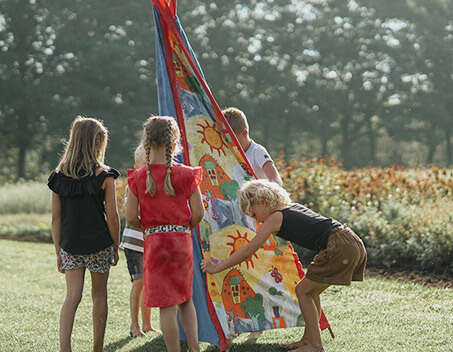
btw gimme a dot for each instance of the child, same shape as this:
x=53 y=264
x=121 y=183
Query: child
x=161 y=190
x=341 y=254
x=259 y=158
x=85 y=224
x=132 y=244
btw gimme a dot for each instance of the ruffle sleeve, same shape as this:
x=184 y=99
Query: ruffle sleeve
x=66 y=186
x=194 y=179
x=132 y=182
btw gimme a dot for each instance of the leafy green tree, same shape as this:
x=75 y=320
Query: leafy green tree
x=28 y=64
x=253 y=308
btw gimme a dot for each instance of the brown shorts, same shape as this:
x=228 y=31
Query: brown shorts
x=341 y=262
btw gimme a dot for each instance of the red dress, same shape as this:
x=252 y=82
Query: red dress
x=167 y=256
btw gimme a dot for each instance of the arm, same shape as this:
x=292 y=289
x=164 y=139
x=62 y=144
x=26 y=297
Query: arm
x=56 y=226
x=132 y=211
x=197 y=208
x=270 y=226
x=113 y=219
x=272 y=173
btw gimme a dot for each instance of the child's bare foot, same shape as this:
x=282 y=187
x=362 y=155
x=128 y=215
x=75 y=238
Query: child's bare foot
x=150 y=329
x=309 y=348
x=136 y=333
x=302 y=342
x=254 y=335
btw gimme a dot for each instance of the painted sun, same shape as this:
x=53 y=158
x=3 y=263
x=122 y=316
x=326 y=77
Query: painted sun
x=212 y=137
x=238 y=242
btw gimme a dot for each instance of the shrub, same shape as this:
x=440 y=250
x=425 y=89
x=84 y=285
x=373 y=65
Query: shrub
x=403 y=216
x=40 y=232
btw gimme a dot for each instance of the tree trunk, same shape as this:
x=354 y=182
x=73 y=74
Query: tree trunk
x=324 y=141
x=371 y=140
x=287 y=138
x=431 y=135
x=449 y=150
x=22 y=142
x=346 y=143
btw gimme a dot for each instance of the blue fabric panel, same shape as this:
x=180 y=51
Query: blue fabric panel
x=206 y=329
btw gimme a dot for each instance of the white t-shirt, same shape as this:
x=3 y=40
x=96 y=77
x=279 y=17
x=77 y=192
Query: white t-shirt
x=258 y=156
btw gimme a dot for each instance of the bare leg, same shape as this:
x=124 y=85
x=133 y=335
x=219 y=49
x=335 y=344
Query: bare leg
x=99 y=297
x=188 y=317
x=134 y=302
x=308 y=292
x=304 y=340
x=74 y=288
x=170 y=329
x=146 y=314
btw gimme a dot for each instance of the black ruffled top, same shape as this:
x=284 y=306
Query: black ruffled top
x=84 y=227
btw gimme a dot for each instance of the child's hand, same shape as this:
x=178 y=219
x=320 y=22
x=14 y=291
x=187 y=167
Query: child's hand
x=116 y=257
x=208 y=266
x=59 y=264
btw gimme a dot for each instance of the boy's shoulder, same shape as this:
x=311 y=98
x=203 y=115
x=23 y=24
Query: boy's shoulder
x=257 y=149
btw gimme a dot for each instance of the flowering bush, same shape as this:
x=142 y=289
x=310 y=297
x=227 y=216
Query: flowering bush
x=404 y=216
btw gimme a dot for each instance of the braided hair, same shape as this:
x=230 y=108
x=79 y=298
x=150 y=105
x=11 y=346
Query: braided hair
x=161 y=131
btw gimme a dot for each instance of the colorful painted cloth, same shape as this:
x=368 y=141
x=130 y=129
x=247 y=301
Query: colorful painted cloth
x=259 y=293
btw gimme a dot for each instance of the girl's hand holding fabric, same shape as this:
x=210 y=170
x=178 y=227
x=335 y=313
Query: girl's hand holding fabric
x=208 y=267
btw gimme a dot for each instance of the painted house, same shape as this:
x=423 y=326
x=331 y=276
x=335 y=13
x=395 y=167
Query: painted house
x=235 y=289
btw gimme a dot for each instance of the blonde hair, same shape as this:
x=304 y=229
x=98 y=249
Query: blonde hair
x=253 y=192
x=86 y=147
x=140 y=156
x=161 y=131
x=236 y=118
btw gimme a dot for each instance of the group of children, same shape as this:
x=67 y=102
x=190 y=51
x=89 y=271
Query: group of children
x=163 y=205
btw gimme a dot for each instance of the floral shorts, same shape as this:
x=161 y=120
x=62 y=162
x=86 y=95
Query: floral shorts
x=98 y=262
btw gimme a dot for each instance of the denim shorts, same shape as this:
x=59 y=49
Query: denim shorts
x=134 y=261
x=98 y=262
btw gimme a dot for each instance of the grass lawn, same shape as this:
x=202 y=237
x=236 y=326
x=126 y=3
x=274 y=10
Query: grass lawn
x=375 y=315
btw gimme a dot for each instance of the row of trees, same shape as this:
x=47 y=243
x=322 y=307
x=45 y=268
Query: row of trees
x=370 y=82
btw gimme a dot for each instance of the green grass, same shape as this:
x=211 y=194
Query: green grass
x=375 y=315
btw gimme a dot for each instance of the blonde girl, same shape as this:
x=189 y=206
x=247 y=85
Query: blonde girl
x=341 y=254
x=85 y=224
x=162 y=190
x=132 y=243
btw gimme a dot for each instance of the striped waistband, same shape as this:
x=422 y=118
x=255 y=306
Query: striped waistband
x=167 y=228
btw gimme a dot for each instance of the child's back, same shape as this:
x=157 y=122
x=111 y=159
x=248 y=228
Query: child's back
x=85 y=224
x=161 y=209
x=162 y=190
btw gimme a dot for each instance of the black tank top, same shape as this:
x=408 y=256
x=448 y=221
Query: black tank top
x=306 y=228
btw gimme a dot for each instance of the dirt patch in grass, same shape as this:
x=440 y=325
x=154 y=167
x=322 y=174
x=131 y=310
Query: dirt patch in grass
x=26 y=239
x=427 y=278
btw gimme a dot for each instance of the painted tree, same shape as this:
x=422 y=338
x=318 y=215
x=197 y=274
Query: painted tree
x=253 y=309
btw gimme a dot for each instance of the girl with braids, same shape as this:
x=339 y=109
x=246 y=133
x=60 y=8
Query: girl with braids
x=161 y=190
